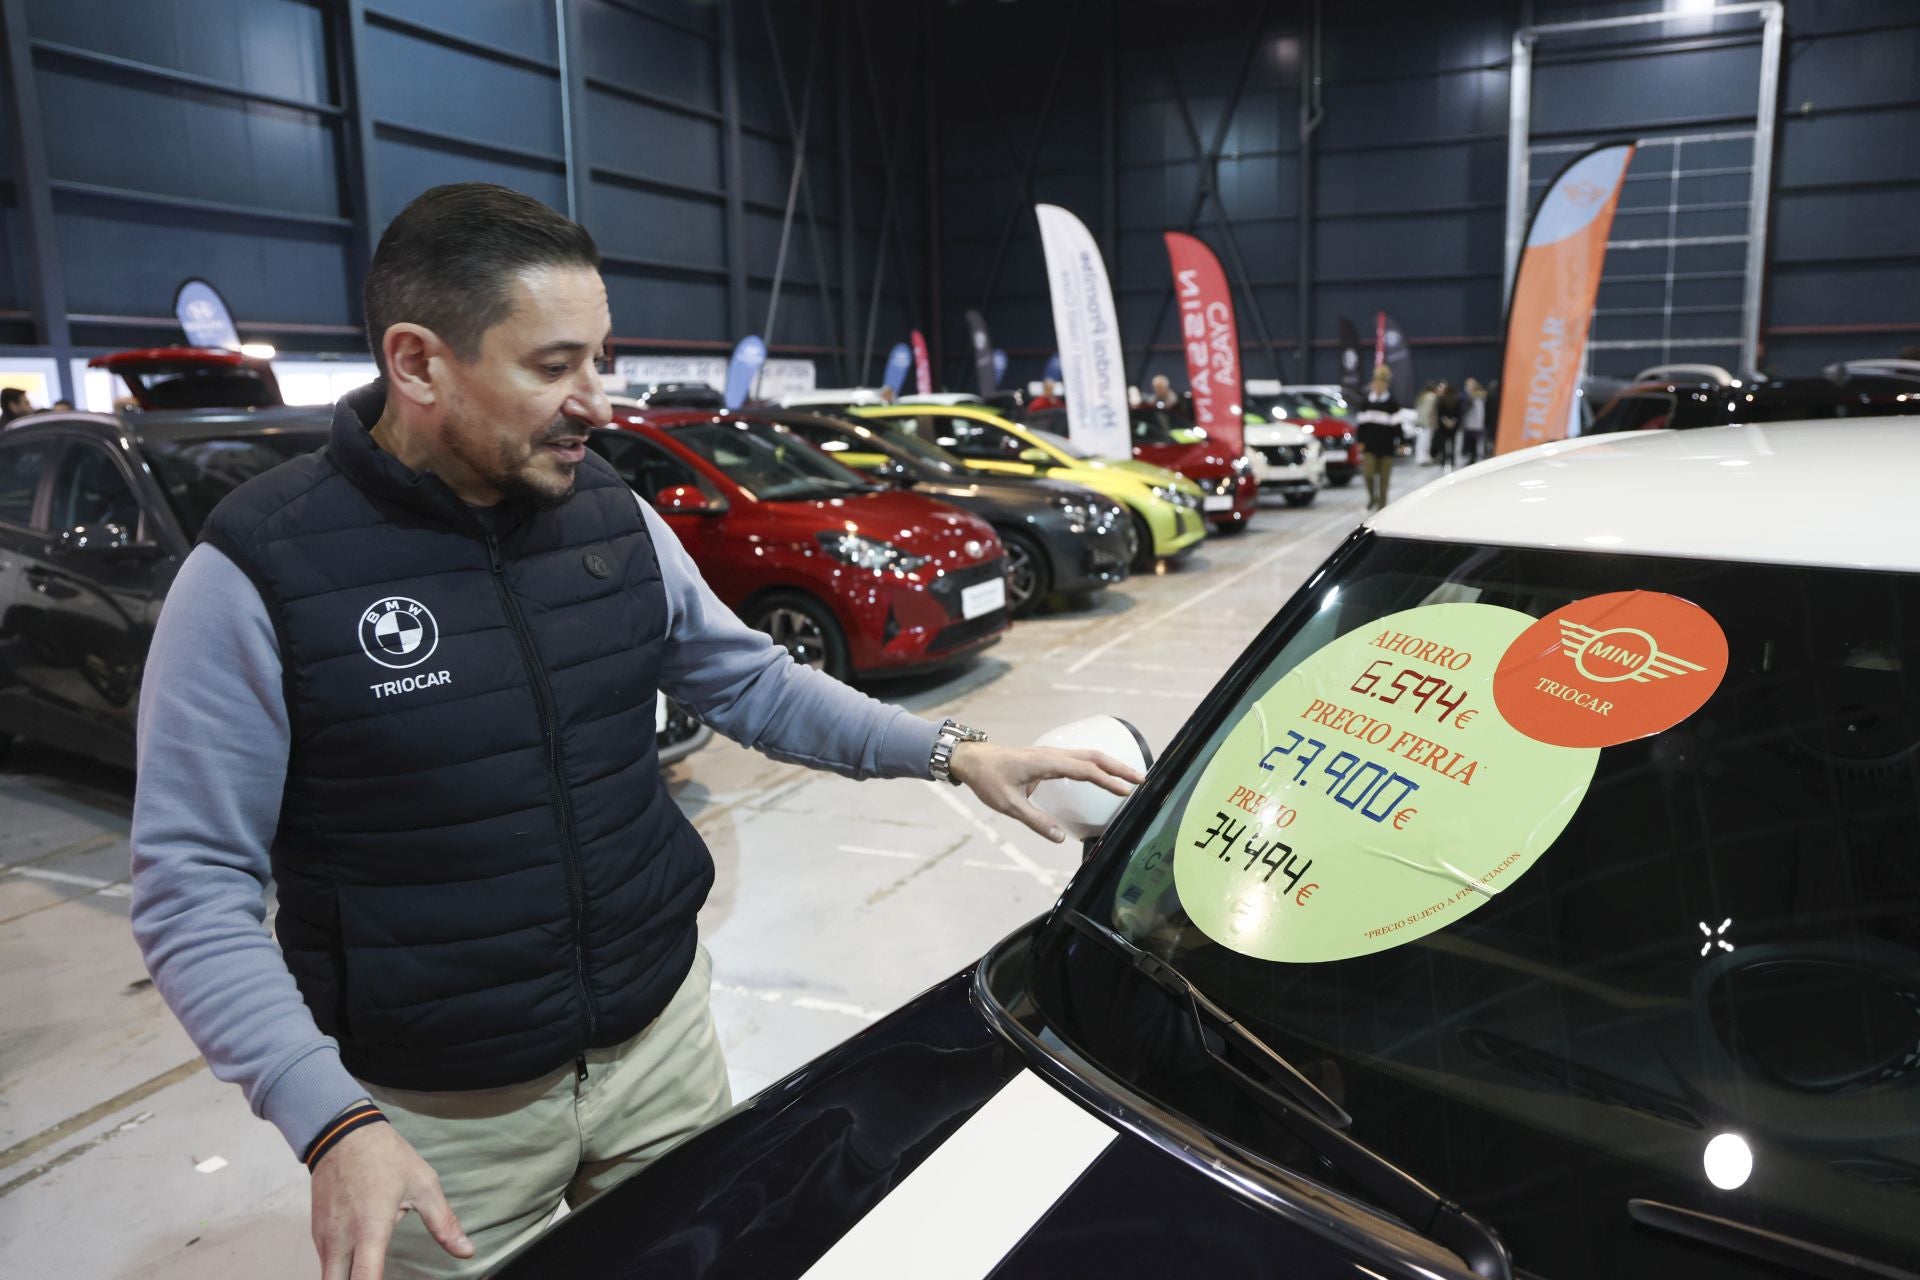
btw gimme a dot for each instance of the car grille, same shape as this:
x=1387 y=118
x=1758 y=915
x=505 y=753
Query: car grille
x=962 y=634
x=947 y=588
x=1283 y=455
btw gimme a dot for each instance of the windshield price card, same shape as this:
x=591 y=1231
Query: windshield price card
x=1375 y=794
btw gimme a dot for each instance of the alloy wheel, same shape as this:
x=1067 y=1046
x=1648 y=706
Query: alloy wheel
x=798 y=634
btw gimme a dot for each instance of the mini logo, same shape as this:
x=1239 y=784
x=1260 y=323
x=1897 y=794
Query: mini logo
x=1584 y=194
x=398 y=632
x=597 y=564
x=1619 y=653
x=1590 y=674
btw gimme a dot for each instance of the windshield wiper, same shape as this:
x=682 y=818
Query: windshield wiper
x=1802 y=1256
x=1216 y=1024
x=1315 y=1119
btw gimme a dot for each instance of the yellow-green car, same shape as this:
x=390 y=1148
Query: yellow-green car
x=1165 y=505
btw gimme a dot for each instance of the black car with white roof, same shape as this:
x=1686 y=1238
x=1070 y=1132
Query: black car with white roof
x=1537 y=896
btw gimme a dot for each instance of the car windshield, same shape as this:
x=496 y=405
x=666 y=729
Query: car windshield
x=1574 y=878
x=196 y=473
x=893 y=438
x=1061 y=443
x=769 y=462
x=1161 y=426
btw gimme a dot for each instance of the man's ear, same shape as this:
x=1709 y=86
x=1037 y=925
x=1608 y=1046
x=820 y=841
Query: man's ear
x=411 y=351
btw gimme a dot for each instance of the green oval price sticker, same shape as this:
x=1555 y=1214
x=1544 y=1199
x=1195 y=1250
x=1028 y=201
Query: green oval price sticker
x=1374 y=794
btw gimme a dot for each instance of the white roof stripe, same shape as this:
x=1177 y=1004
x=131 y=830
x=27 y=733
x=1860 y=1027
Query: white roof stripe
x=969 y=1203
x=1839 y=493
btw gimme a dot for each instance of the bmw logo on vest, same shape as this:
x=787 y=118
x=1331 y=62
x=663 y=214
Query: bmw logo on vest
x=399 y=632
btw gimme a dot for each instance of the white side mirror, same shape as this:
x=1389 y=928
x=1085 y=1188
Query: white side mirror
x=1082 y=808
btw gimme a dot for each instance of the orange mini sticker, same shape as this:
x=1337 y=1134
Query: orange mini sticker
x=1609 y=669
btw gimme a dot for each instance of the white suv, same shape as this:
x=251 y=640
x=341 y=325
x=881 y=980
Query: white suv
x=1286 y=460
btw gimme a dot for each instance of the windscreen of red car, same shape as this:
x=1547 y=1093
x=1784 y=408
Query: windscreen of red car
x=770 y=463
x=1699 y=986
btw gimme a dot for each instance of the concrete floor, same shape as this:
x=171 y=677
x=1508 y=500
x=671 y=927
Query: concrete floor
x=121 y=1156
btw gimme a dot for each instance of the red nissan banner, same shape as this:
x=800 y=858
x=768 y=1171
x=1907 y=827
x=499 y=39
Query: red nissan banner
x=1211 y=340
x=1553 y=294
x=922 y=367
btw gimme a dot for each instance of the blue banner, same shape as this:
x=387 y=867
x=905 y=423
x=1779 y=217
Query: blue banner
x=748 y=356
x=203 y=314
x=999 y=364
x=899 y=360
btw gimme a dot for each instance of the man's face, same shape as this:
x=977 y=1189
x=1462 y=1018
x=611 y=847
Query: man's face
x=1161 y=386
x=518 y=413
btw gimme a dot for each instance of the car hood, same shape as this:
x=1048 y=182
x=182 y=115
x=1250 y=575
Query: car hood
x=1203 y=459
x=928 y=1134
x=1138 y=470
x=908 y=520
x=1012 y=495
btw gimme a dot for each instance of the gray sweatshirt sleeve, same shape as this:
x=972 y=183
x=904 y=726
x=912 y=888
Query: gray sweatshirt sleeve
x=213 y=760
x=750 y=689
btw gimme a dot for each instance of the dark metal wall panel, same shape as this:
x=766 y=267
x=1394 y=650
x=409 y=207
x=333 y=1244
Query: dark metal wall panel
x=226 y=138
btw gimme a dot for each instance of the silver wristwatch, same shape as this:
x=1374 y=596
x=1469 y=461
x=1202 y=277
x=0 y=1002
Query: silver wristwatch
x=952 y=734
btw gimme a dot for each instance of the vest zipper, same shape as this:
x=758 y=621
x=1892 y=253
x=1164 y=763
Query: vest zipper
x=562 y=803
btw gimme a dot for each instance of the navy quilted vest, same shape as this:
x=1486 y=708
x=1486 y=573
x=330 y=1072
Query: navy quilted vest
x=481 y=874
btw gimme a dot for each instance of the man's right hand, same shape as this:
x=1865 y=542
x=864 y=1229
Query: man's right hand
x=361 y=1190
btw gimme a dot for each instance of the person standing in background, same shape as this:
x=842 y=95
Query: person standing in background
x=1423 y=423
x=1378 y=423
x=1446 y=424
x=1049 y=397
x=1473 y=423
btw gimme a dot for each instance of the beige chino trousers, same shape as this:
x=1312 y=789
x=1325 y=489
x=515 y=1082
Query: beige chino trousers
x=507 y=1157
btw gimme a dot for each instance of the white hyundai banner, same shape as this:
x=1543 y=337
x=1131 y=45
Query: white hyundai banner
x=1092 y=367
x=777 y=377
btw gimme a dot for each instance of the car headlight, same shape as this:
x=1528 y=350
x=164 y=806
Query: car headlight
x=1074 y=509
x=1242 y=465
x=868 y=553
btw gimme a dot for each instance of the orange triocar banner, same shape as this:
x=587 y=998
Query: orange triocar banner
x=1553 y=293
x=1210 y=338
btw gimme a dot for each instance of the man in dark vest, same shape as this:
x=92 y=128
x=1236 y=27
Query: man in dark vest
x=411 y=679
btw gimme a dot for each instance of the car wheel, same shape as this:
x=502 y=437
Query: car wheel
x=1143 y=554
x=1028 y=575
x=1302 y=499
x=1340 y=481
x=1225 y=527
x=804 y=628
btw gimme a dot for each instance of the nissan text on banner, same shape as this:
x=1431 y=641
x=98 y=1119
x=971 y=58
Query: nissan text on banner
x=1210 y=338
x=1553 y=294
x=983 y=368
x=1092 y=366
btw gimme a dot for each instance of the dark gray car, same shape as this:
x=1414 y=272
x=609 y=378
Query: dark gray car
x=97 y=513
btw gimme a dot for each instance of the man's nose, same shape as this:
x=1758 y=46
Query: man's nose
x=588 y=402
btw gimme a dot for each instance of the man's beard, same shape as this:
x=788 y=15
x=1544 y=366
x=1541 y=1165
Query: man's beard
x=513 y=474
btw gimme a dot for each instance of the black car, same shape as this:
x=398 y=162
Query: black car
x=1681 y=397
x=1059 y=537
x=97 y=513
x=678 y=395
x=1406 y=990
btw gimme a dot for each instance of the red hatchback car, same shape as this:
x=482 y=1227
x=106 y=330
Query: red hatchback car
x=852 y=577
x=1168 y=438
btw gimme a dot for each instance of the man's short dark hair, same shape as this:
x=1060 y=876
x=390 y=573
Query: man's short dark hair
x=448 y=262
x=11 y=395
